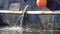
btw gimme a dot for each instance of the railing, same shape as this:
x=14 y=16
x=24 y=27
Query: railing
x=30 y=12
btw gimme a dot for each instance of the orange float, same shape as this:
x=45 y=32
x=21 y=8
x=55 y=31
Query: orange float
x=41 y=3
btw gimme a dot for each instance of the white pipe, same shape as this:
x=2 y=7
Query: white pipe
x=30 y=12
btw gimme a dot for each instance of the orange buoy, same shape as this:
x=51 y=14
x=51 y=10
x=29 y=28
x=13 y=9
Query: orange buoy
x=41 y=3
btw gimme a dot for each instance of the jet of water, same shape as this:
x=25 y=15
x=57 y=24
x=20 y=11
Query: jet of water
x=23 y=12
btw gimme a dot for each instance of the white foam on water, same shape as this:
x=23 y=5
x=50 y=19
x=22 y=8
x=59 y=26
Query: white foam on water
x=12 y=28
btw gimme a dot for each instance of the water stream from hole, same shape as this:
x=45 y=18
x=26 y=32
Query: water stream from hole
x=14 y=28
